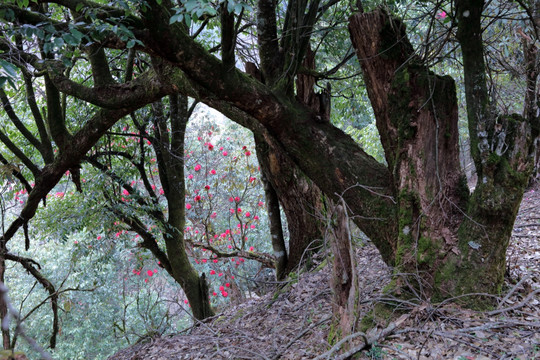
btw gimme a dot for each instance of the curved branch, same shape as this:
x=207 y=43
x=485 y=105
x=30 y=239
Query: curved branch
x=17 y=122
x=28 y=264
x=46 y=146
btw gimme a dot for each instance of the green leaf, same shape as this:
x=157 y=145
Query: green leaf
x=131 y=43
x=59 y=42
x=176 y=18
x=9 y=68
x=77 y=34
x=188 y=20
x=70 y=40
x=79 y=7
x=191 y=5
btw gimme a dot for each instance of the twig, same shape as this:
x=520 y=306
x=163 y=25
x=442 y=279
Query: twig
x=513 y=290
x=516 y=306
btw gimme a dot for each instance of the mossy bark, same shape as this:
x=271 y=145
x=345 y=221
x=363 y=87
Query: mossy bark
x=449 y=242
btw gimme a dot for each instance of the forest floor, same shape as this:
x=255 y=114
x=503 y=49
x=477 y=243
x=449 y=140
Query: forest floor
x=294 y=322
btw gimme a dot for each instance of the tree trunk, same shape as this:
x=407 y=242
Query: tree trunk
x=451 y=243
x=344 y=278
x=170 y=153
x=274 y=214
x=3 y=305
x=301 y=199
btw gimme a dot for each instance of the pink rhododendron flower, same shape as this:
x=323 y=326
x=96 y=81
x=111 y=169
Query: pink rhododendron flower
x=210 y=147
x=253 y=226
x=225 y=153
x=207 y=187
x=213 y=172
x=190 y=176
x=214 y=215
x=186 y=301
x=261 y=203
x=239 y=210
x=227 y=284
x=255 y=217
x=188 y=206
x=197 y=167
x=248 y=153
x=161 y=192
x=149 y=142
x=99 y=237
x=251 y=248
x=220 y=274
x=224 y=293
x=150 y=273
x=441 y=15
x=197 y=198
x=222 y=288
x=214 y=293
x=59 y=194
x=204 y=261
x=215 y=261
x=248 y=214
x=212 y=272
x=237 y=199
x=231 y=199
x=231 y=211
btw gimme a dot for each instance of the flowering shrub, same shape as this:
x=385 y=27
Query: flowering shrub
x=225 y=213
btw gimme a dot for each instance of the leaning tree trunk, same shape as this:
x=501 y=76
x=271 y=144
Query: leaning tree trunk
x=452 y=243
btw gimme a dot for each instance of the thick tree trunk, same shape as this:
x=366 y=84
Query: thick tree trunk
x=301 y=199
x=451 y=243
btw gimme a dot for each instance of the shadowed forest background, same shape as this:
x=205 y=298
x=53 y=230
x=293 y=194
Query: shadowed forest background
x=168 y=166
